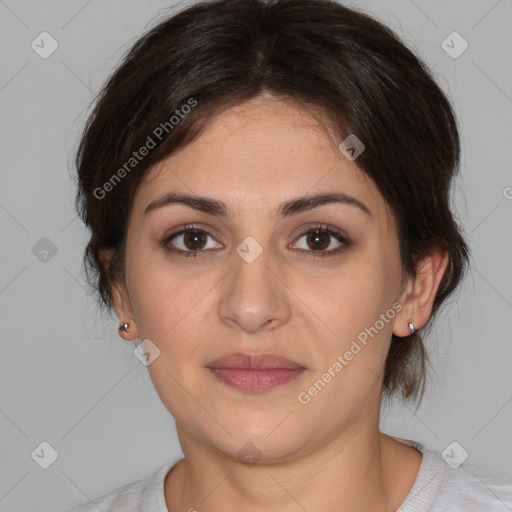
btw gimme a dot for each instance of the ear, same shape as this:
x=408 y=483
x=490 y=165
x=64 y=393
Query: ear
x=121 y=301
x=418 y=296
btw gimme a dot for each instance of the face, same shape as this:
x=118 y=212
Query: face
x=260 y=280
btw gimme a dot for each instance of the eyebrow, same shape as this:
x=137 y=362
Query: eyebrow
x=292 y=207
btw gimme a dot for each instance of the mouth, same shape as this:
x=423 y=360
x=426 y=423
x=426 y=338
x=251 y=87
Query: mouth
x=254 y=372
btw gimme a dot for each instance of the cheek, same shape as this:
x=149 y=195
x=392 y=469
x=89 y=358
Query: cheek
x=357 y=305
x=171 y=309
x=162 y=297
x=170 y=312
x=351 y=361
x=357 y=294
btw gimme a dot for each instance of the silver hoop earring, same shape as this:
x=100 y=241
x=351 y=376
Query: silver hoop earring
x=411 y=327
x=124 y=327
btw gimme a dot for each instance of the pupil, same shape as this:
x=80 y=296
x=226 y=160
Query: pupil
x=195 y=236
x=316 y=237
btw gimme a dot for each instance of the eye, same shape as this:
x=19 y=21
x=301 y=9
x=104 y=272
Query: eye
x=189 y=241
x=319 y=238
x=193 y=241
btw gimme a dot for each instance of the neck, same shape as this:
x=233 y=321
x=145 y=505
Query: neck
x=363 y=470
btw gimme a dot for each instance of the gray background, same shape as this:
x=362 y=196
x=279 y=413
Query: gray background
x=66 y=376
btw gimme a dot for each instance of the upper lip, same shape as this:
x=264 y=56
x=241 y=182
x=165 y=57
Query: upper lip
x=243 y=361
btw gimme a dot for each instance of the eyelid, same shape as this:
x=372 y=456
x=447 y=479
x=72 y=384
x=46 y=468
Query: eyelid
x=320 y=226
x=190 y=227
x=331 y=231
x=181 y=231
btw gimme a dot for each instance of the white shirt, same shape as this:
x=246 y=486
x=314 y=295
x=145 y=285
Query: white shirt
x=438 y=488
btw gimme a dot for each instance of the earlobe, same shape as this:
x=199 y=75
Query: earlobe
x=121 y=302
x=418 y=297
x=127 y=328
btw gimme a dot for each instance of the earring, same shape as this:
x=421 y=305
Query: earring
x=411 y=327
x=124 y=327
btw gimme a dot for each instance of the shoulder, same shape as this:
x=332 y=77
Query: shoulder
x=443 y=487
x=140 y=496
x=476 y=488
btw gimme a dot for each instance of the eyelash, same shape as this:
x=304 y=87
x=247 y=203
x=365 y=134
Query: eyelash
x=201 y=252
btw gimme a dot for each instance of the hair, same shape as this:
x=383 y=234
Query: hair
x=341 y=65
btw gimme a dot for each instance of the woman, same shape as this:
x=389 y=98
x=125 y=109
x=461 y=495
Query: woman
x=267 y=186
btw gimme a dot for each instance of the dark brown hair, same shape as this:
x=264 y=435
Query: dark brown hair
x=340 y=64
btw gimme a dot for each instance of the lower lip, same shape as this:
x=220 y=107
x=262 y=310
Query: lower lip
x=255 y=380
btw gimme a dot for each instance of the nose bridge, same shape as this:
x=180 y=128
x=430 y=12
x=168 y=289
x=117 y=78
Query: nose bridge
x=252 y=262
x=254 y=295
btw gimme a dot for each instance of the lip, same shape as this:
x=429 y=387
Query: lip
x=254 y=372
x=245 y=361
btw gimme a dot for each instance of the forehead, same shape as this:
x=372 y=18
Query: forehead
x=257 y=155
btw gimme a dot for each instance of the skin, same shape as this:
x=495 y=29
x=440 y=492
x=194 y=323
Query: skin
x=328 y=454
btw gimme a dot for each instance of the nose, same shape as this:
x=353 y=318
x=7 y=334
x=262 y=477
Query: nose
x=254 y=298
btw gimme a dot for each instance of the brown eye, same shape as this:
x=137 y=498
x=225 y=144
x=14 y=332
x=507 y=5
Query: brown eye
x=194 y=240
x=190 y=241
x=318 y=240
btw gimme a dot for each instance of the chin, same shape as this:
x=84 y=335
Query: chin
x=266 y=439
x=253 y=451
